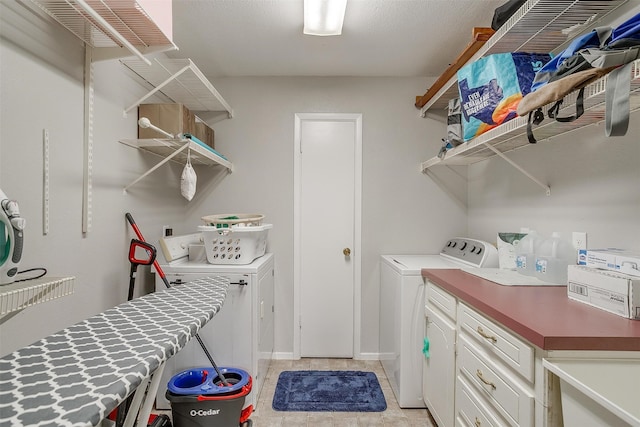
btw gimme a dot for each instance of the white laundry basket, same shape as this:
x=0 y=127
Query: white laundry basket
x=236 y=244
x=230 y=220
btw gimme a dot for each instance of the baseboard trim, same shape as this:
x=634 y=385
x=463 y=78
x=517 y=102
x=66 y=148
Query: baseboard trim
x=283 y=355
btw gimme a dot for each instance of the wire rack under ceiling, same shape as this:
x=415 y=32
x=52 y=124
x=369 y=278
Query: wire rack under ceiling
x=126 y=17
x=539 y=26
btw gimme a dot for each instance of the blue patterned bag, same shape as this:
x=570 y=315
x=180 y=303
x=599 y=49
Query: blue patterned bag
x=491 y=88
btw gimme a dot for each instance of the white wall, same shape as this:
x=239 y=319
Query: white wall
x=41 y=68
x=594 y=181
x=41 y=82
x=403 y=210
x=594 y=184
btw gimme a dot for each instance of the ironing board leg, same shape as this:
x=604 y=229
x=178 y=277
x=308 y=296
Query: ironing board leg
x=147 y=404
x=132 y=412
x=143 y=398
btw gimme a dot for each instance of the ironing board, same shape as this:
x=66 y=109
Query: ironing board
x=77 y=376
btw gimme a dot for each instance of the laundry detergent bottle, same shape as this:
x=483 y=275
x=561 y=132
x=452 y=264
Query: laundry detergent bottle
x=553 y=258
x=526 y=253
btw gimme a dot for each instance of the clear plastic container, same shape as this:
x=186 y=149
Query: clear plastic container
x=553 y=257
x=526 y=253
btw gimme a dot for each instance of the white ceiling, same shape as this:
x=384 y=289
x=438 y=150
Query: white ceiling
x=412 y=38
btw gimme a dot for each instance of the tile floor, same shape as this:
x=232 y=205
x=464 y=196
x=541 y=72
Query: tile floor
x=265 y=416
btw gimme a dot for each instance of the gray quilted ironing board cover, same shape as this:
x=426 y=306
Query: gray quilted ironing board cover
x=77 y=376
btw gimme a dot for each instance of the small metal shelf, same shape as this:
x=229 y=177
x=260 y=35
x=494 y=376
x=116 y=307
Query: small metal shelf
x=113 y=29
x=176 y=150
x=181 y=81
x=538 y=26
x=17 y=296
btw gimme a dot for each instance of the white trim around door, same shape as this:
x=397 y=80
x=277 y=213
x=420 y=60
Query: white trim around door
x=357 y=259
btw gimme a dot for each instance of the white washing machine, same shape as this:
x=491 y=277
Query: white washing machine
x=402 y=296
x=241 y=334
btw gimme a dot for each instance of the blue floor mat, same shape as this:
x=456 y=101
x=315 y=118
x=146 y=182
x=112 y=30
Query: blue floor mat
x=319 y=391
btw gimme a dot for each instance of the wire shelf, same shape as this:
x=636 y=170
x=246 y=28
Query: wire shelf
x=104 y=24
x=20 y=295
x=165 y=147
x=539 y=26
x=512 y=135
x=181 y=81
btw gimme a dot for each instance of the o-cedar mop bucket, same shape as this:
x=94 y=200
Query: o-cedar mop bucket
x=199 y=398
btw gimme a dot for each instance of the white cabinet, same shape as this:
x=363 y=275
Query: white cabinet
x=508 y=398
x=504 y=379
x=499 y=367
x=477 y=373
x=439 y=367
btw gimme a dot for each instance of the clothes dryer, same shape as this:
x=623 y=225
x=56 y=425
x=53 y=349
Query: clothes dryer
x=402 y=296
x=241 y=334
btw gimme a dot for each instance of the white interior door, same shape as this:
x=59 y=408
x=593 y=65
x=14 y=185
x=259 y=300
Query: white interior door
x=327 y=183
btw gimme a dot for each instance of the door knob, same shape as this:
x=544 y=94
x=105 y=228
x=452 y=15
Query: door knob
x=346 y=251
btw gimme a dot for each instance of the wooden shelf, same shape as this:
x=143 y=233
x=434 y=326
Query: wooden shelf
x=480 y=37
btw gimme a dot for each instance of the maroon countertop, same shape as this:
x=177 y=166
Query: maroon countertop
x=543 y=315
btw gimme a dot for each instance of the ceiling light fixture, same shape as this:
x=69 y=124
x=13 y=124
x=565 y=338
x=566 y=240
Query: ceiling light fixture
x=324 y=17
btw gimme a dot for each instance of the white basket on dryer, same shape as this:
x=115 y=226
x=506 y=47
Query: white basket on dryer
x=236 y=244
x=231 y=220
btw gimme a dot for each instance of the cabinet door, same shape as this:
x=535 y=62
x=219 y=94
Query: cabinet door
x=438 y=379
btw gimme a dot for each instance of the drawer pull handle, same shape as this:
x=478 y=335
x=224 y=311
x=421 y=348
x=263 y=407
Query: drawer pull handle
x=477 y=423
x=484 y=335
x=487 y=382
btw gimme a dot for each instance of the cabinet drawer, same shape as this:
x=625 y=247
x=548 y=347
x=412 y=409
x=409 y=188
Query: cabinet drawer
x=442 y=300
x=470 y=410
x=504 y=392
x=497 y=341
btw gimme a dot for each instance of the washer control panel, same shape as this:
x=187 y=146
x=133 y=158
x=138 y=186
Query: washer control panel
x=476 y=253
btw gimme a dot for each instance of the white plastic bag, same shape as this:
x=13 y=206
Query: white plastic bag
x=188 y=180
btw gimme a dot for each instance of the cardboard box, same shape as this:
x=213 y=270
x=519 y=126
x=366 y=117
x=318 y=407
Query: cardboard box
x=628 y=263
x=619 y=260
x=172 y=118
x=204 y=133
x=614 y=292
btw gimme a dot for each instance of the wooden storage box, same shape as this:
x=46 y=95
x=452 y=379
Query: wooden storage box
x=204 y=133
x=172 y=118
